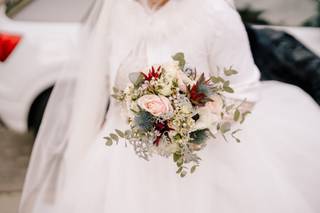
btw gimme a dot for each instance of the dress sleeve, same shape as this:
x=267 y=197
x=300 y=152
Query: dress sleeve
x=229 y=46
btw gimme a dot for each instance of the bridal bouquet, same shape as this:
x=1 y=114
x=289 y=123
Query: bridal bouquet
x=172 y=111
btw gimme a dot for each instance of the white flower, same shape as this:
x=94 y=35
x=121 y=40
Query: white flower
x=183 y=81
x=207 y=120
x=165 y=88
x=171 y=69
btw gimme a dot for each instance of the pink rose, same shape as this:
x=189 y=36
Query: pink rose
x=156 y=105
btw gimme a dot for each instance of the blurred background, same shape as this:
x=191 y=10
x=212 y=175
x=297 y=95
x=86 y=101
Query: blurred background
x=35 y=36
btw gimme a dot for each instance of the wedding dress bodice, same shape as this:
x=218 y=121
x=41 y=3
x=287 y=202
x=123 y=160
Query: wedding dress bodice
x=210 y=34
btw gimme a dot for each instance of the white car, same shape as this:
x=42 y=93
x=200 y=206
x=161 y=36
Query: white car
x=33 y=49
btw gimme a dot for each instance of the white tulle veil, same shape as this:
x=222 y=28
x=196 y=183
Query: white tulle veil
x=77 y=105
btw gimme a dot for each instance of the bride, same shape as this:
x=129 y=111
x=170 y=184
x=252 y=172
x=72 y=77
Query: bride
x=275 y=168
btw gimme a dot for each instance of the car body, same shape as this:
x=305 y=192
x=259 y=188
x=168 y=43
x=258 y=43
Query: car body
x=309 y=36
x=33 y=65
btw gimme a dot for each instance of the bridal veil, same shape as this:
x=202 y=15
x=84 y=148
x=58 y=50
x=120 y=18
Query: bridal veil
x=74 y=114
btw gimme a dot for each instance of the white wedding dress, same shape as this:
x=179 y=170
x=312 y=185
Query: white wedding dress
x=276 y=167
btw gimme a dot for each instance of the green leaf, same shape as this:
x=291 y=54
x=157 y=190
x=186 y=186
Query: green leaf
x=215 y=80
x=230 y=71
x=228 y=89
x=114 y=137
x=225 y=127
x=120 y=133
x=136 y=78
x=180 y=162
x=176 y=157
x=109 y=141
x=127 y=134
x=115 y=90
x=180 y=58
x=226 y=84
x=183 y=174
x=236 y=115
x=179 y=170
x=244 y=115
x=193 y=169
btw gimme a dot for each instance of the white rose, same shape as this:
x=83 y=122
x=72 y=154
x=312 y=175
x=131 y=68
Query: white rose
x=187 y=108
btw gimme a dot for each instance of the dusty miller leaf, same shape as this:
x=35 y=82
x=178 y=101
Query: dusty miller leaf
x=136 y=78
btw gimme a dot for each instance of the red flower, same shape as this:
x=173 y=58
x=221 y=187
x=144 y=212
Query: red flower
x=200 y=92
x=162 y=128
x=153 y=73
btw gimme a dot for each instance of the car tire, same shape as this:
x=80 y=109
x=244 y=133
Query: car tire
x=37 y=110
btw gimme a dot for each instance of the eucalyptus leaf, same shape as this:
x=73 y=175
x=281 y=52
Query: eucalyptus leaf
x=176 y=157
x=244 y=115
x=179 y=170
x=228 y=89
x=215 y=80
x=230 y=71
x=114 y=137
x=109 y=142
x=115 y=90
x=183 y=174
x=193 y=169
x=225 y=127
x=180 y=162
x=236 y=115
x=180 y=58
x=127 y=133
x=136 y=78
x=120 y=133
x=226 y=84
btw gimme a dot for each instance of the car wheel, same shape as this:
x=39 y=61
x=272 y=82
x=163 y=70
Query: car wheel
x=37 y=110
